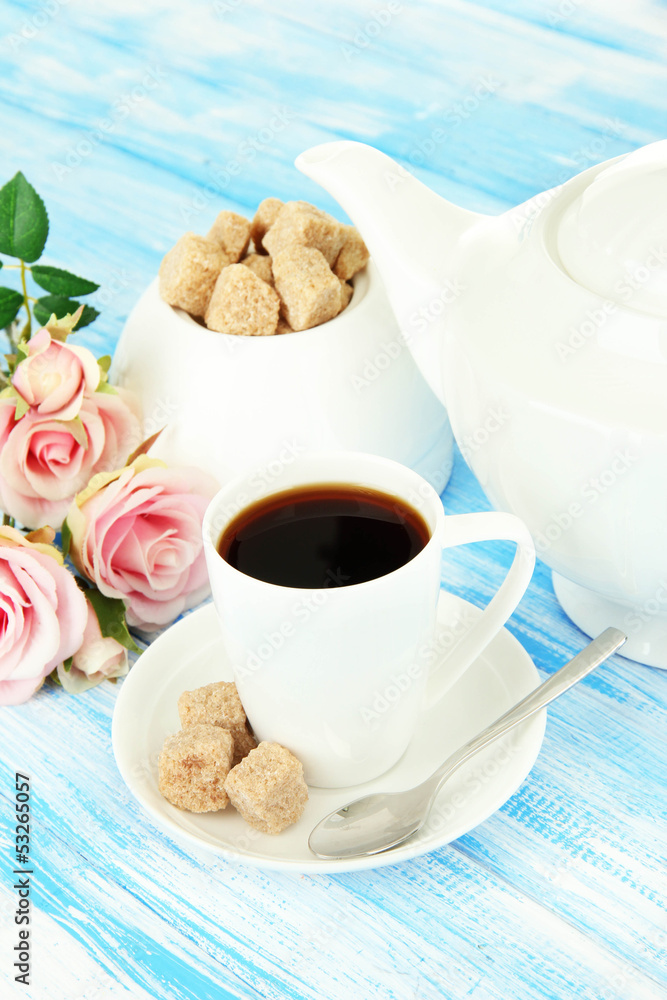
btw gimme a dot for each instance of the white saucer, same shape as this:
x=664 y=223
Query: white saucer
x=190 y=654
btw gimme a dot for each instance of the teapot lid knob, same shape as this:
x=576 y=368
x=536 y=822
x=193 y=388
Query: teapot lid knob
x=612 y=238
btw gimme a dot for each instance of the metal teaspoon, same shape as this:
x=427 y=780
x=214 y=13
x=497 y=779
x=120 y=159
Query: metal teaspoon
x=383 y=820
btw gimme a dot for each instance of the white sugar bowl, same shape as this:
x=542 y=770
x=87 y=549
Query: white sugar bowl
x=229 y=404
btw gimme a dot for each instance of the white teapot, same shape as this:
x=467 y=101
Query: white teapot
x=545 y=332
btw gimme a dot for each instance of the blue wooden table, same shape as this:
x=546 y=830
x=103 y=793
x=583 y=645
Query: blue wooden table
x=131 y=119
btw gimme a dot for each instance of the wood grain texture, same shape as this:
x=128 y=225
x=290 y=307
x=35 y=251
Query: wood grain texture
x=129 y=119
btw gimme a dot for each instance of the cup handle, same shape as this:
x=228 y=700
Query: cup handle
x=461 y=529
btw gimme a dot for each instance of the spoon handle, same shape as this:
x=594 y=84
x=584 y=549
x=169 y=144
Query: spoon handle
x=582 y=664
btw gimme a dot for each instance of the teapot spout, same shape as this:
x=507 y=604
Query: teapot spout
x=412 y=235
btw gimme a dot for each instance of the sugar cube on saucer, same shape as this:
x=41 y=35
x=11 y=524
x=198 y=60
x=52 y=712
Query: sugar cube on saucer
x=193 y=765
x=268 y=788
x=218 y=704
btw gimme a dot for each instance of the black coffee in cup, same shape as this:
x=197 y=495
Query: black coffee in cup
x=323 y=535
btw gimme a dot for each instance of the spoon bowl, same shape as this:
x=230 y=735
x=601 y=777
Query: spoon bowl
x=378 y=822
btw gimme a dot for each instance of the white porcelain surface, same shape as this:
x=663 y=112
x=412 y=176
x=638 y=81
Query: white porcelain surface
x=555 y=387
x=231 y=404
x=191 y=654
x=616 y=224
x=644 y=624
x=337 y=675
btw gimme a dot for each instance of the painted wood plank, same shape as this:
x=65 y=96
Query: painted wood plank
x=562 y=892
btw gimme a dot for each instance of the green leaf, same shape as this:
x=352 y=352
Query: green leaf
x=110 y=613
x=65 y=538
x=10 y=303
x=54 y=279
x=67 y=664
x=105 y=362
x=77 y=430
x=88 y=316
x=61 y=305
x=144 y=447
x=22 y=408
x=106 y=387
x=24 y=224
x=60 y=329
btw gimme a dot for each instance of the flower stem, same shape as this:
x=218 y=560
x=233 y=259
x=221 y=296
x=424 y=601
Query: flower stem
x=6 y=519
x=25 y=333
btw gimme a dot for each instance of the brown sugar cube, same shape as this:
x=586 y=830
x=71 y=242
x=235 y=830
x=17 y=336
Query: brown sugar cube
x=193 y=765
x=242 y=304
x=244 y=742
x=265 y=216
x=353 y=254
x=189 y=272
x=267 y=788
x=215 y=704
x=309 y=290
x=346 y=293
x=232 y=233
x=261 y=265
x=218 y=704
x=299 y=222
x=283 y=326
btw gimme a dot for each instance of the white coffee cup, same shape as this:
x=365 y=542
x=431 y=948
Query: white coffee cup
x=310 y=664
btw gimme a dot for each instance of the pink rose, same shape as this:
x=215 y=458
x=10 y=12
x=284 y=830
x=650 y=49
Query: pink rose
x=42 y=612
x=99 y=658
x=136 y=533
x=55 y=376
x=45 y=461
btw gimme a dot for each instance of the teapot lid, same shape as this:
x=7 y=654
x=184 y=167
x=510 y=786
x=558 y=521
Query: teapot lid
x=612 y=238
